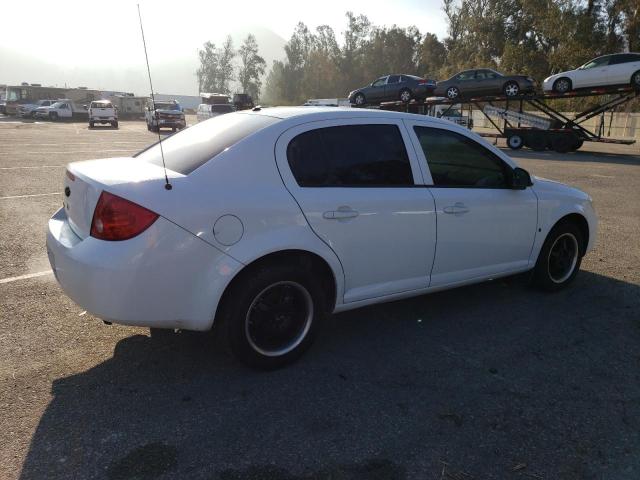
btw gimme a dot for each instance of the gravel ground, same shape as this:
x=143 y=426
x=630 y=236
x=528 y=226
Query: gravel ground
x=493 y=381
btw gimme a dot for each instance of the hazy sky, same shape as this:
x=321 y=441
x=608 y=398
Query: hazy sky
x=90 y=43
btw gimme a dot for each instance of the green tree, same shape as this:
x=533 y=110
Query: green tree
x=252 y=67
x=216 y=67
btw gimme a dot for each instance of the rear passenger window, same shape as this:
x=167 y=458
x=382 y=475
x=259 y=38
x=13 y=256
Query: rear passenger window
x=457 y=161
x=350 y=156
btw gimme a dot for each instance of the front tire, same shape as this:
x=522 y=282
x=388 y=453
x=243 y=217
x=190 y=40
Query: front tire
x=91 y=124
x=359 y=99
x=53 y=116
x=272 y=314
x=562 y=85
x=560 y=257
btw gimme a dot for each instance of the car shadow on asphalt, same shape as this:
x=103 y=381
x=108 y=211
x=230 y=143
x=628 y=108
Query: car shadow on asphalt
x=478 y=380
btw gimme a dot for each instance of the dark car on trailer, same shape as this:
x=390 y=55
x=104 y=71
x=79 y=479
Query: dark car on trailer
x=484 y=82
x=401 y=87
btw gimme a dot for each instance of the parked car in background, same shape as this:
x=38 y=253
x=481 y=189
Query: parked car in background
x=242 y=101
x=164 y=115
x=484 y=81
x=28 y=109
x=3 y=107
x=102 y=112
x=392 y=88
x=616 y=69
x=327 y=102
x=206 y=111
x=60 y=110
x=250 y=237
x=452 y=113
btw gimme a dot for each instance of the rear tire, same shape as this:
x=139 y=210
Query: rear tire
x=91 y=124
x=272 y=315
x=405 y=95
x=453 y=93
x=511 y=89
x=537 y=142
x=560 y=257
x=562 y=143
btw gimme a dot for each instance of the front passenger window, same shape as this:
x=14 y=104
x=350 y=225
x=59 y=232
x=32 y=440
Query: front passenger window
x=458 y=161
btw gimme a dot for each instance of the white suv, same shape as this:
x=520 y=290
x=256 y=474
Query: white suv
x=103 y=112
x=266 y=219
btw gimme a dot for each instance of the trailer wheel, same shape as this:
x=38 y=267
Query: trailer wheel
x=577 y=144
x=562 y=143
x=515 y=141
x=537 y=142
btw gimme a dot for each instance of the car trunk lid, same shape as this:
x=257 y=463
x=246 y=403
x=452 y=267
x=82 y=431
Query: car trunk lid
x=127 y=177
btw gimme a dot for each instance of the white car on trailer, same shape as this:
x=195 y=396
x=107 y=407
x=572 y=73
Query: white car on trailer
x=273 y=217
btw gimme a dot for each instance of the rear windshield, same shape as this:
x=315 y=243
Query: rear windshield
x=194 y=146
x=101 y=105
x=221 y=108
x=167 y=106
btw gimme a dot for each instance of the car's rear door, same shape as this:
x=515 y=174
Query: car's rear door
x=622 y=66
x=485 y=228
x=392 y=88
x=358 y=187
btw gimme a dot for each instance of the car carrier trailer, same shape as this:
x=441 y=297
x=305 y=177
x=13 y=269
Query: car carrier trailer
x=542 y=125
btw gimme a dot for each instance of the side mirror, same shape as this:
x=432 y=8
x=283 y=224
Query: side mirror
x=520 y=179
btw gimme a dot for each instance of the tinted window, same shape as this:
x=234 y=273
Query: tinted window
x=350 y=155
x=597 y=62
x=187 y=150
x=458 y=161
x=625 y=58
x=380 y=82
x=221 y=108
x=393 y=79
x=466 y=75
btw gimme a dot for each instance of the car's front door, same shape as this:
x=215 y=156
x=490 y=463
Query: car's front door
x=593 y=74
x=375 y=93
x=355 y=182
x=485 y=228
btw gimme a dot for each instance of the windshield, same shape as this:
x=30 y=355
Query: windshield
x=13 y=94
x=167 y=106
x=101 y=105
x=196 y=145
x=57 y=105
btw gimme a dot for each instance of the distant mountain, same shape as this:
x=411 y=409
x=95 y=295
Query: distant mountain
x=176 y=76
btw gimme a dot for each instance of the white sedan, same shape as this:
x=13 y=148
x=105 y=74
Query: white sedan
x=268 y=219
x=617 y=69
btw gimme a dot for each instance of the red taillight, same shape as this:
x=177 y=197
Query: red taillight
x=118 y=219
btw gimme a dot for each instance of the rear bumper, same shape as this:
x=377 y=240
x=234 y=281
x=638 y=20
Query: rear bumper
x=164 y=278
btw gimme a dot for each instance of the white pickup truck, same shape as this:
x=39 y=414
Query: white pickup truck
x=102 y=112
x=62 y=109
x=28 y=109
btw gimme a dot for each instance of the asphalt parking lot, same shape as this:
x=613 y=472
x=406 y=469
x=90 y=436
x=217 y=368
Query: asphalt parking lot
x=493 y=381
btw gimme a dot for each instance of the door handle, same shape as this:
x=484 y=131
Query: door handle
x=458 y=209
x=340 y=214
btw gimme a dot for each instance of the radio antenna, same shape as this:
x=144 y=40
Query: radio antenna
x=167 y=185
